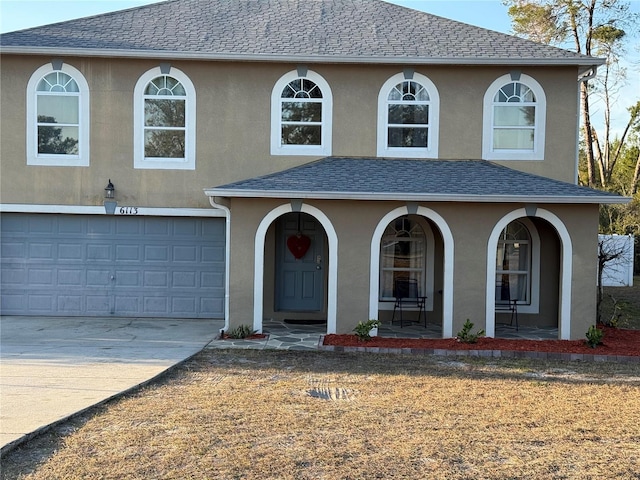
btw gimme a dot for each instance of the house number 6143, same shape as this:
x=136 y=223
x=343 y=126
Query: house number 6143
x=128 y=210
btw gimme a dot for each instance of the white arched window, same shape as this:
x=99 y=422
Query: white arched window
x=408 y=112
x=513 y=264
x=165 y=120
x=58 y=117
x=301 y=112
x=514 y=119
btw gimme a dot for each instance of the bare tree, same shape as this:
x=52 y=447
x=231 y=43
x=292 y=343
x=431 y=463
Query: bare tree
x=593 y=27
x=609 y=252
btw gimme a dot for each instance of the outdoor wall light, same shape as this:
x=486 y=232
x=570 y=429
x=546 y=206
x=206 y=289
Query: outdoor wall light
x=109 y=194
x=108 y=191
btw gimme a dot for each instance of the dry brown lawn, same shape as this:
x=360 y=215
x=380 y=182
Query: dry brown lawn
x=318 y=415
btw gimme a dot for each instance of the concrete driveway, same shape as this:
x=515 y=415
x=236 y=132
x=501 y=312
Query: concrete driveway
x=52 y=367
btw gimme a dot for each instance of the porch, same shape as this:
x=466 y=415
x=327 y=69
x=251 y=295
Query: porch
x=287 y=336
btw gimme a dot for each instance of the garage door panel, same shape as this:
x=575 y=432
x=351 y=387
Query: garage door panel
x=13 y=250
x=70 y=251
x=185 y=253
x=156 y=253
x=41 y=251
x=212 y=280
x=212 y=254
x=127 y=278
x=71 y=277
x=98 y=278
x=41 y=224
x=41 y=277
x=40 y=303
x=184 y=279
x=112 y=265
x=70 y=304
x=128 y=305
x=97 y=252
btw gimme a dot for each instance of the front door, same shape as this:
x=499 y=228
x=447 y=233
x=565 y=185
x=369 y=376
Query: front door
x=300 y=264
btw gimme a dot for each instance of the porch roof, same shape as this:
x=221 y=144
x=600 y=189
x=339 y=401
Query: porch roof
x=356 y=178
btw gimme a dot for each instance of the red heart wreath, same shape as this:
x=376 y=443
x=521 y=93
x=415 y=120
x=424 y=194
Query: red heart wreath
x=298 y=245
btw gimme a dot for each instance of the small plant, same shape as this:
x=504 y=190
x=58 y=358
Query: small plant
x=243 y=331
x=465 y=335
x=363 y=329
x=594 y=336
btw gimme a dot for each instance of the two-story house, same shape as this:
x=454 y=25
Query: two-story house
x=293 y=159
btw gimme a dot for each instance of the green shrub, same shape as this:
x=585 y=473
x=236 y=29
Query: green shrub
x=363 y=329
x=243 y=331
x=594 y=336
x=465 y=334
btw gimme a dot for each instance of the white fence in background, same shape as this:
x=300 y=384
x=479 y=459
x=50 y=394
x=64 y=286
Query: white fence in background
x=618 y=272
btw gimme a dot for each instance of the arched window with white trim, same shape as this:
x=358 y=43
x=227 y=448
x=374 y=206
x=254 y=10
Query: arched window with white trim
x=514 y=119
x=513 y=265
x=301 y=115
x=164 y=120
x=58 y=117
x=408 y=114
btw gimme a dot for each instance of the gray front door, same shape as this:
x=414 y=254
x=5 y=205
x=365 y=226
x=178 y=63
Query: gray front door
x=299 y=281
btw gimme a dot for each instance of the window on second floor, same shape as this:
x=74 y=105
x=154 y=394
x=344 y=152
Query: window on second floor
x=57 y=117
x=301 y=111
x=408 y=111
x=164 y=116
x=514 y=119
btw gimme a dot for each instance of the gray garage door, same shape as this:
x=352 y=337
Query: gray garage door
x=112 y=265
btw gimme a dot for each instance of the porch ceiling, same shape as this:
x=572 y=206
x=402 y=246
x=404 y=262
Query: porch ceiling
x=356 y=178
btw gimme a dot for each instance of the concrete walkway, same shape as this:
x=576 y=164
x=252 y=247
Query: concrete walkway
x=51 y=367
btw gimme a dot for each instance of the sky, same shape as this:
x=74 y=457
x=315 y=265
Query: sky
x=491 y=14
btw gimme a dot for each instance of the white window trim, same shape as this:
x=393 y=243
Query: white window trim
x=53 y=160
x=189 y=160
x=324 y=149
x=540 y=127
x=434 y=120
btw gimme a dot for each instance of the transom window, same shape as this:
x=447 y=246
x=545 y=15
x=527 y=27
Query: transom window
x=408 y=111
x=514 y=119
x=58 y=117
x=164 y=116
x=402 y=255
x=301 y=110
x=513 y=264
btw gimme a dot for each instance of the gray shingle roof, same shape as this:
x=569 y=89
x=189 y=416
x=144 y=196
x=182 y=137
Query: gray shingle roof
x=300 y=30
x=410 y=179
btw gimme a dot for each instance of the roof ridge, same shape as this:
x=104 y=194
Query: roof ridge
x=371 y=31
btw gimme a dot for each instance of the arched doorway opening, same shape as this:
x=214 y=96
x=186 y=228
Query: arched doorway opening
x=413 y=243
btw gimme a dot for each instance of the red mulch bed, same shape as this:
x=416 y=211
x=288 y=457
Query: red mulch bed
x=616 y=341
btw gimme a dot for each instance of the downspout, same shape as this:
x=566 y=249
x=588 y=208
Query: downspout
x=219 y=203
x=584 y=76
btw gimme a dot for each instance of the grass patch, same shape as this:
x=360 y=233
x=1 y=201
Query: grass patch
x=244 y=414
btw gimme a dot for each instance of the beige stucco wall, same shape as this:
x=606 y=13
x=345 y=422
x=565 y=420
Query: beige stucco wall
x=233 y=126
x=355 y=222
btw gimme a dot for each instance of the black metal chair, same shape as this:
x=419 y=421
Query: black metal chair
x=407 y=295
x=504 y=303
